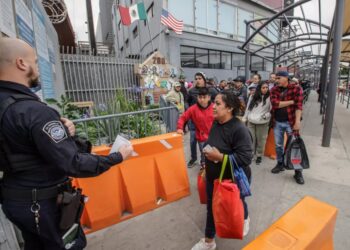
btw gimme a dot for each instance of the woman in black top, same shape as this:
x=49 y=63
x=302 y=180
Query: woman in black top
x=227 y=136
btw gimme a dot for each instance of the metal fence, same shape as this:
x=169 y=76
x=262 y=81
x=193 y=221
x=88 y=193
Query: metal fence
x=104 y=129
x=344 y=97
x=97 y=78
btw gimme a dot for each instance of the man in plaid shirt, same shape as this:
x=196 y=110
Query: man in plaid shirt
x=287 y=105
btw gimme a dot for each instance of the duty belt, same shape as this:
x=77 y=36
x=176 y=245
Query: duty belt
x=27 y=194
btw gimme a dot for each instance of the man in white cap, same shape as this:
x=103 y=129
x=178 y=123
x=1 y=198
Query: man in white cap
x=176 y=97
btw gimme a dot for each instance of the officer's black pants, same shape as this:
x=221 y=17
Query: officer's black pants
x=49 y=238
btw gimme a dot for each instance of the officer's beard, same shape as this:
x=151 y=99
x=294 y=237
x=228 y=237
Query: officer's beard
x=32 y=82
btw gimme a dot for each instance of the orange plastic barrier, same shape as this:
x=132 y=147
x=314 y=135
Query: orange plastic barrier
x=270 y=146
x=308 y=225
x=155 y=177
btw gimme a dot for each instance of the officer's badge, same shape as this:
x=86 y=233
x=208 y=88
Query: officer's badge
x=55 y=130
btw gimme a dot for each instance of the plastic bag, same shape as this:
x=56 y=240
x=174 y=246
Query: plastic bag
x=295 y=156
x=227 y=205
x=201 y=186
x=240 y=177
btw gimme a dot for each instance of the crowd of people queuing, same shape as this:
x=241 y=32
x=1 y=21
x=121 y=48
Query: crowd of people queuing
x=234 y=117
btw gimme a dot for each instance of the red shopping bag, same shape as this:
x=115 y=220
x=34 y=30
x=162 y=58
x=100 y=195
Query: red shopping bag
x=201 y=186
x=228 y=209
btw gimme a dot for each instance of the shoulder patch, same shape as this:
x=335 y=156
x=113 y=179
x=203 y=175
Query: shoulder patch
x=55 y=130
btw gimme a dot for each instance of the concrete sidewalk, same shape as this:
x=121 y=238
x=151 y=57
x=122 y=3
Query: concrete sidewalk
x=179 y=225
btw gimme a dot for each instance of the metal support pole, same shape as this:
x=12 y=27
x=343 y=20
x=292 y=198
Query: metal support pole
x=347 y=82
x=324 y=77
x=332 y=90
x=274 y=56
x=247 y=53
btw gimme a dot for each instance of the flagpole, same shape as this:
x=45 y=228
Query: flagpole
x=160 y=37
x=149 y=30
x=116 y=29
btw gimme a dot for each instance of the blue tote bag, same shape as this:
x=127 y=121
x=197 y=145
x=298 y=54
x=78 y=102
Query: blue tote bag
x=240 y=177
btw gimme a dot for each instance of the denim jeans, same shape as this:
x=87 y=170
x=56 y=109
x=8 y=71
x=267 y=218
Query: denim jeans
x=210 y=225
x=279 y=130
x=193 y=140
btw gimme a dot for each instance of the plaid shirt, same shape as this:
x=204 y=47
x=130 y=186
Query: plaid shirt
x=279 y=94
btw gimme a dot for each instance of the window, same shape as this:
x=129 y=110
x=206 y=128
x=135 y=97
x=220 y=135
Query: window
x=214 y=59
x=242 y=16
x=226 y=60
x=227 y=18
x=268 y=66
x=187 y=57
x=205 y=58
x=202 y=58
x=272 y=32
x=257 y=64
x=126 y=43
x=176 y=8
x=201 y=15
x=238 y=60
x=135 y=32
x=212 y=16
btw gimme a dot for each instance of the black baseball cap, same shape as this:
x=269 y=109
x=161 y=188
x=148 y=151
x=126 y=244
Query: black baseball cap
x=239 y=79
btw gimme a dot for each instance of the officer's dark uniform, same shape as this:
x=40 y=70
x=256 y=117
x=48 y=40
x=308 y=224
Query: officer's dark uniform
x=45 y=155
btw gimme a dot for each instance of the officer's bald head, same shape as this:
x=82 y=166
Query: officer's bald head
x=10 y=49
x=17 y=62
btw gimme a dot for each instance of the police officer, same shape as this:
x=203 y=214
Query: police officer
x=40 y=151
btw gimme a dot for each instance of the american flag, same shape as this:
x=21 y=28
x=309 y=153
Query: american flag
x=169 y=20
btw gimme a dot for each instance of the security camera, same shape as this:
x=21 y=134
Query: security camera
x=167 y=32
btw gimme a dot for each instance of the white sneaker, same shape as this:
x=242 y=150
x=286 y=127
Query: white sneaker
x=202 y=245
x=246 y=226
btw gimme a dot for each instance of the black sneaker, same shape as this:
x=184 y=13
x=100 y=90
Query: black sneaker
x=191 y=163
x=298 y=176
x=278 y=168
x=258 y=160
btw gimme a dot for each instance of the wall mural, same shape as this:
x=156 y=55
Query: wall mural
x=157 y=77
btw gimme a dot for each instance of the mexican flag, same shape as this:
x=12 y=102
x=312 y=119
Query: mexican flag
x=133 y=13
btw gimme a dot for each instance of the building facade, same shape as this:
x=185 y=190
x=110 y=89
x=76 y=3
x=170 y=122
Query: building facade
x=213 y=32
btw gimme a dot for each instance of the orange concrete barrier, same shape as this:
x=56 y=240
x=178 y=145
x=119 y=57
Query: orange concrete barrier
x=155 y=177
x=308 y=225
